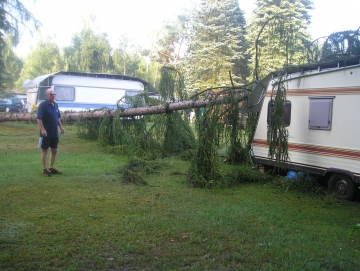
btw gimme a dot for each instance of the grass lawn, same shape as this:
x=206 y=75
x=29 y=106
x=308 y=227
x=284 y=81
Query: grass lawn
x=87 y=219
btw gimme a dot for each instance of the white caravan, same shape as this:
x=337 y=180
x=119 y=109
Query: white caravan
x=84 y=91
x=322 y=117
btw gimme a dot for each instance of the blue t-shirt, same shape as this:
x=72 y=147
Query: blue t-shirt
x=49 y=114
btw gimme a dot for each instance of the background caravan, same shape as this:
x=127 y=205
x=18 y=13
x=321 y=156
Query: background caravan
x=83 y=91
x=322 y=117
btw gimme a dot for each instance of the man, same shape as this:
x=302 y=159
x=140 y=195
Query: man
x=48 y=119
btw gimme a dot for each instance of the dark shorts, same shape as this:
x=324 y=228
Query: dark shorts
x=49 y=142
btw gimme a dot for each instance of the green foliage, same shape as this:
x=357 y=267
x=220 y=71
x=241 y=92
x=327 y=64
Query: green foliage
x=235 y=134
x=133 y=133
x=171 y=39
x=171 y=86
x=45 y=58
x=105 y=131
x=178 y=135
x=133 y=60
x=13 y=65
x=221 y=126
x=216 y=45
x=250 y=127
x=340 y=44
x=337 y=45
x=246 y=174
x=204 y=170
x=139 y=168
x=167 y=135
x=89 y=52
x=301 y=182
x=278 y=34
x=217 y=126
x=126 y=58
x=125 y=129
x=134 y=172
x=12 y=13
x=88 y=128
x=277 y=134
x=2 y=65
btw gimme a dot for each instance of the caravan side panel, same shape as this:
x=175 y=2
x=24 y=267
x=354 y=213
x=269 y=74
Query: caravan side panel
x=88 y=93
x=316 y=150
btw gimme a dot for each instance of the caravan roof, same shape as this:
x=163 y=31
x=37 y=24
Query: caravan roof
x=71 y=80
x=38 y=81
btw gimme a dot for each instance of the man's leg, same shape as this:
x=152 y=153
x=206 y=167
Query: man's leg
x=53 y=157
x=43 y=157
x=43 y=161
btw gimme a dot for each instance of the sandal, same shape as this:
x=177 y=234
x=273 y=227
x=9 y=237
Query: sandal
x=46 y=173
x=54 y=171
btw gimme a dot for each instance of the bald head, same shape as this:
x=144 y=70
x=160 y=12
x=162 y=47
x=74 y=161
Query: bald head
x=48 y=90
x=50 y=95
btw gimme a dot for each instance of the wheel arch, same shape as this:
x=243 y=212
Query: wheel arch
x=330 y=171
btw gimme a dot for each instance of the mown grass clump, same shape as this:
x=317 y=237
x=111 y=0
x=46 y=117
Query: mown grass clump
x=137 y=169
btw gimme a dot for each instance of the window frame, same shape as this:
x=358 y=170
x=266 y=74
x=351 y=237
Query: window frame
x=320 y=114
x=287 y=112
x=58 y=91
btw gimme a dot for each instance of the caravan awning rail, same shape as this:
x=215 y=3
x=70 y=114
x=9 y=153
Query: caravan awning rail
x=325 y=65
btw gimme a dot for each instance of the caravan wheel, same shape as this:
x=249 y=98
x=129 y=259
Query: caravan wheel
x=342 y=186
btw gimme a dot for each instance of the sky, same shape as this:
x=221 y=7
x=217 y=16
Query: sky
x=140 y=19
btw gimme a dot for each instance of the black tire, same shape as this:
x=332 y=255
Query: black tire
x=342 y=186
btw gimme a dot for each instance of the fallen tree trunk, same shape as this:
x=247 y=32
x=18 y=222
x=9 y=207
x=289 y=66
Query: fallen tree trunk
x=138 y=111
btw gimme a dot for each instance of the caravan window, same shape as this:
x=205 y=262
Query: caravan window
x=65 y=93
x=41 y=94
x=130 y=93
x=287 y=112
x=320 y=113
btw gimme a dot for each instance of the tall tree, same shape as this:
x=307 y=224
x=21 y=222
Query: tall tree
x=44 y=58
x=12 y=13
x=168 y=48
x=89 y=52
x=340 y=44
x=126 y=57
x=216 y=44
x=278 y=35
x=13 y=65
x=147 y=69
x=171 y=40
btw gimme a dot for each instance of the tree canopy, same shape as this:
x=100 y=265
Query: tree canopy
x=216 y=44
x=89 y=52
x=43 y=59
x=12 y=14
x=277 y=32
x=204 y=45
x=13 y=64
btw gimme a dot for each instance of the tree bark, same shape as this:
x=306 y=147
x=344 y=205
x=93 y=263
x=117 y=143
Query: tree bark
x=138 y=111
